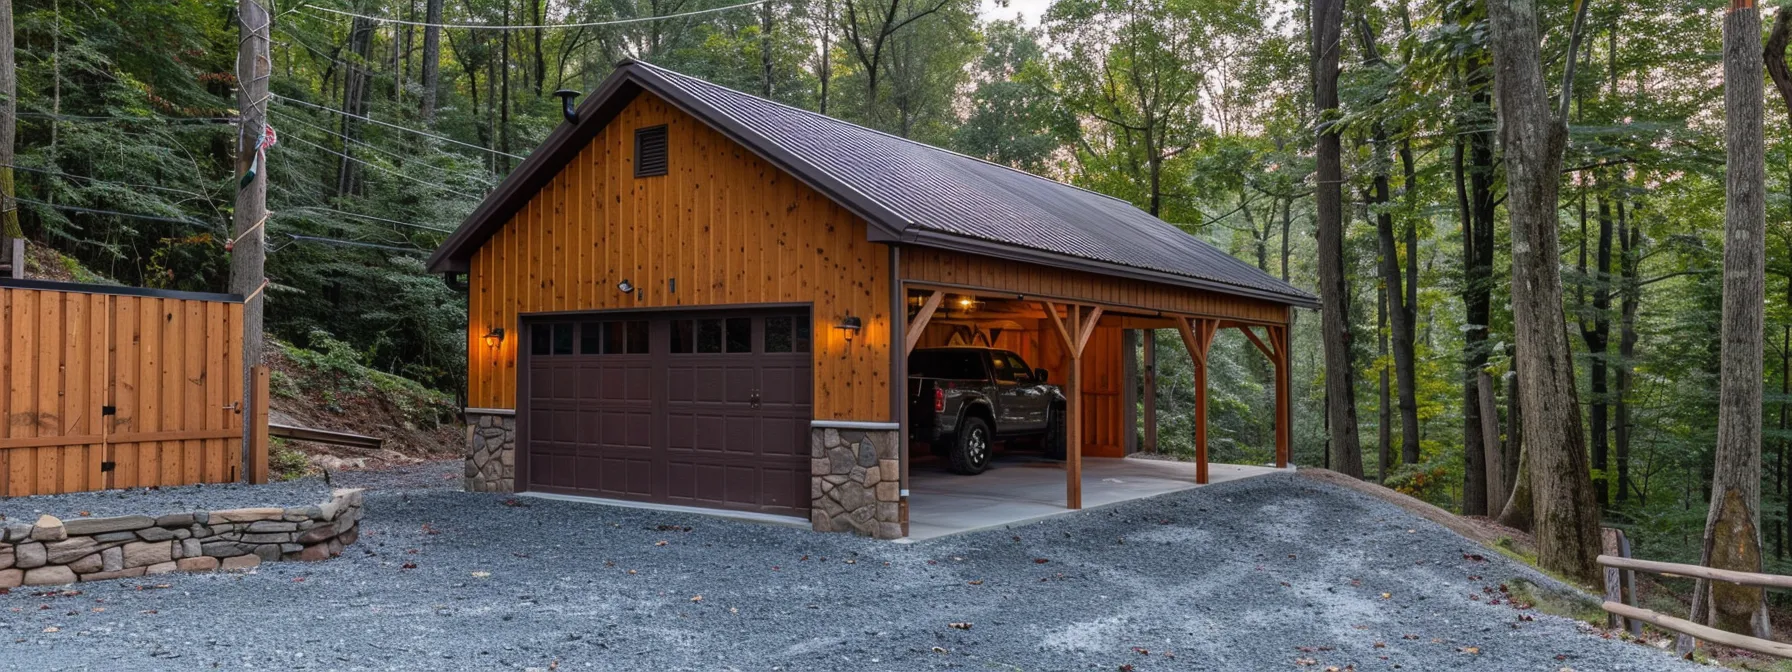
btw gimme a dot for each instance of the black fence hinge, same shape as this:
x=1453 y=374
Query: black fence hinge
x=108 y=466
x=108 y=410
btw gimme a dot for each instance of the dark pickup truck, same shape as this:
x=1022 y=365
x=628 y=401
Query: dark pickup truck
x=964 y=399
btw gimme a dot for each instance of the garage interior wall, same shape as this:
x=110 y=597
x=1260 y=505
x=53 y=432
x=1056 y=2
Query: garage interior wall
x=722 y=227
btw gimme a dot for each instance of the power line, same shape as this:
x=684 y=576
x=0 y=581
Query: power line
x=352 y=243
x=587 y=24
x=423 y=182
x=114 y=213
x=352 y=115
x=425 y=227
x=96 y=180
x=369 y=145
x=124 y=117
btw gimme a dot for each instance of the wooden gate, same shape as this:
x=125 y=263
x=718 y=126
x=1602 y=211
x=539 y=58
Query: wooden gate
x=117 y=387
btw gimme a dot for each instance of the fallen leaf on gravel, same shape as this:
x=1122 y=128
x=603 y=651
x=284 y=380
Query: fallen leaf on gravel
x=978 y=582
x=1303 y=662
x=698 y=598
x=734 y=610
x=1473 y=557
x=960 y=626
x=408 y=565
x=1471 y=650
x=52 y=629
x=1125 y=668
x=1381 y=645
x=515 y=503
x=430 y=530
x=298 y=579
x=938 y=650
x=481 y=575
x=1387 y=596
x=158 y=586
x=86 y=513
x=1040 y=561
x=852 y=561
x=659 y=543
x=1409 y=636
x=1141 y=651
x=631 y=571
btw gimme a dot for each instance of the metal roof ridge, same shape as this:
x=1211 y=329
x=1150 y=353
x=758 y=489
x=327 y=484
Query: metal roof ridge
x=887 y=134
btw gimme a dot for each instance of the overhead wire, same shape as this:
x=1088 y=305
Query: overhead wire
x=426 y=134
x=351 y=243
x=114 y=213
x=413 y=225
x=394 y=172
x=285 y=116
x=584 y=24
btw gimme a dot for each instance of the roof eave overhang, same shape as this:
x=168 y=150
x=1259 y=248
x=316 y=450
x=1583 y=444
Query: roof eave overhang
x=958 y=243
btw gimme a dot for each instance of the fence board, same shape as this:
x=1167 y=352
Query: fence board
x=170 y=365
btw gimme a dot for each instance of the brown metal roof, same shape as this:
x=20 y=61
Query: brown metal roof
x=909 y=192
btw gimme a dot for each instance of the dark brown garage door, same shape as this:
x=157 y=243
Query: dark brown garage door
x=698 y=409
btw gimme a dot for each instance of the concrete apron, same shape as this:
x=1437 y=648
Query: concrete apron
x=1021 y=489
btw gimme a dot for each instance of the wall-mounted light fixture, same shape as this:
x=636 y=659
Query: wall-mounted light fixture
x=494 y=337
x=851 y=325
x=625 y=286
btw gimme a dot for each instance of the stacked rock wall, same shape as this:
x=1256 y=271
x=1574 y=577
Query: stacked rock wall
x=855 y=482
x=54 y=551
x=491 y=451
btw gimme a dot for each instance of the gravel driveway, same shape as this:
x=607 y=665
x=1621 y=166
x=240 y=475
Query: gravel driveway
x=1269 y=573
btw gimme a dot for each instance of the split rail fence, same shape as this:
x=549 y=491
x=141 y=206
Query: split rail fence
x=1615 y=606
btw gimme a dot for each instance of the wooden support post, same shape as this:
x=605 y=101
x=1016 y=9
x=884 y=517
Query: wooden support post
x=1284 y=405
x=1075 y=336
x=1197 y=337
x=257 y=417
x=1129 y=390
x=1150 y=390
x=913 y=333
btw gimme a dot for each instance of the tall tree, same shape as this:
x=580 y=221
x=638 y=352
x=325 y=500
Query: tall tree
x=432 y=59
x=1533 y=136
x=1733 y=525
x=1401 y=310
x=1334 y=296
x=868 y=27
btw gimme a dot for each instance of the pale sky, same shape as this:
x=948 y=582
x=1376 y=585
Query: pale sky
x=1030 y=9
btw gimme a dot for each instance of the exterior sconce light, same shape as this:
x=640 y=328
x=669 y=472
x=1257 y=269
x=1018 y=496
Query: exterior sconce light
x=494 y=337
x=851 y=325
x=625 y=286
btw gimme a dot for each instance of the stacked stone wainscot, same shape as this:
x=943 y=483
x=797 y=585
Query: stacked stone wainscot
x=491 y=450
x=53 y=551
x=855 y=482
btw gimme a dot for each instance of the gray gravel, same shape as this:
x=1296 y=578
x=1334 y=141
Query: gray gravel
x=1264 y=573
x=156 y=501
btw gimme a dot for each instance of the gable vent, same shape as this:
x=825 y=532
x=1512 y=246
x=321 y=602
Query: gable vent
x=650 y=151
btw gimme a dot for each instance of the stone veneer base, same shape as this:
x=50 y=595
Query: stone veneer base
x=855 y=482
x=491 y=452
x=54 y=552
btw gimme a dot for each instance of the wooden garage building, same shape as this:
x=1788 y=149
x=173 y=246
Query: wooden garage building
x=692 y=296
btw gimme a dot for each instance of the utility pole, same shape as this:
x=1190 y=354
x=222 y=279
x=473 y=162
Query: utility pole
x=247 y=248
x=9 y=124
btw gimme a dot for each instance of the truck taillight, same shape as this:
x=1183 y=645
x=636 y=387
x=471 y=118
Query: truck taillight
x=939 y=400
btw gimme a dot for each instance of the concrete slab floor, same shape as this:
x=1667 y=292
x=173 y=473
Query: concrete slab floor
x=1024 y=488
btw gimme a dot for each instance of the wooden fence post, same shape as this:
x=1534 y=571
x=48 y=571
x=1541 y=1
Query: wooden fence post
x=257 y=417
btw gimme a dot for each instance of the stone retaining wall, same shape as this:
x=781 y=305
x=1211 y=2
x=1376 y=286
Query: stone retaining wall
x=855 y=482
x=54 y=552
x=491 y=452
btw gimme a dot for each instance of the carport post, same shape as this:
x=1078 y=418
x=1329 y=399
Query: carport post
x=1075 y=337
x=1197 y=335
x=1284 y=418
x=1150 y=390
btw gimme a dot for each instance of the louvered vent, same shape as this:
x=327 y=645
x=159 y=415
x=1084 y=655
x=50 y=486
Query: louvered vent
x=650 y=151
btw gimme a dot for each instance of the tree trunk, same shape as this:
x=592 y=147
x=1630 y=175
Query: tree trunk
x=1514 y=430
x=1596 y=331
x=1732 y=529
x=355 y=80
x=1555 y=456
x=432 y=61
x=1401 y=298
x=1474 y=195
x=1340 y=372
x=1384 y=407
x=1495 y=486
x=765 y=50
x=1629 y=298
x=9 y=126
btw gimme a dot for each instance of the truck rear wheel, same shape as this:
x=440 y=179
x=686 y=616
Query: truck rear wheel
x=971 y=451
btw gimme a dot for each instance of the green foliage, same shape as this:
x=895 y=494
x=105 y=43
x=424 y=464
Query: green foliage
x=286 y=463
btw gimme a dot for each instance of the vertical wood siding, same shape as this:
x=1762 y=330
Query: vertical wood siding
x=930 y=265
x=727 y=226
x=172 y=367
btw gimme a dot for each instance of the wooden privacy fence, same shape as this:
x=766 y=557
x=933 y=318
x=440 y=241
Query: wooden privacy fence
x=117 y=387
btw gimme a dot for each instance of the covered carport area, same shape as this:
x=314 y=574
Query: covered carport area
x=1084 y=330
